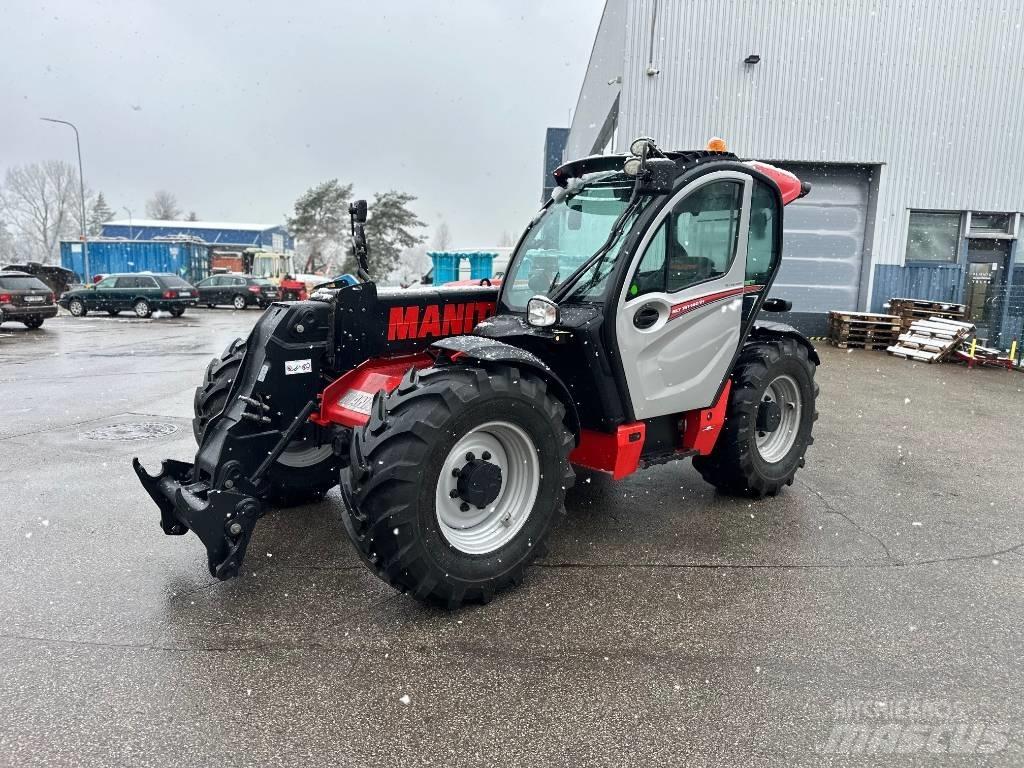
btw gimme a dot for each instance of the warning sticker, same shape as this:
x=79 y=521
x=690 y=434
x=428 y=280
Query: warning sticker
x=297 y=366
x=357 y=400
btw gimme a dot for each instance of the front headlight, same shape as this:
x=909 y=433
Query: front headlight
x=541 y=312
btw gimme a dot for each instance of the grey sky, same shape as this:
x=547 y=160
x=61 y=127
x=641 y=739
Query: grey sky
x=237 y=107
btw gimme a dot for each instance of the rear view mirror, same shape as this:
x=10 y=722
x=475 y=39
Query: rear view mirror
x=777 y=305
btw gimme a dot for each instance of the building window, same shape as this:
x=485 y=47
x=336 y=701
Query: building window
x=990 y=223
x=933 y=237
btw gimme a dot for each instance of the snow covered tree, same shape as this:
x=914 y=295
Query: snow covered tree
x=99 y=214
x=192 y=216
x=412 y=265
x=8 y=251
x=321 y=220
x=163 y=205
x=390 y=228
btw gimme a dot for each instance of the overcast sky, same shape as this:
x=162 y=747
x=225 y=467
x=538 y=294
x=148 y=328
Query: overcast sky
x=237 y=107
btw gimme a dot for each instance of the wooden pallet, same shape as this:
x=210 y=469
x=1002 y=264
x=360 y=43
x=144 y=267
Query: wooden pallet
x=909 y=310
x=931 y=339
x=863 y=330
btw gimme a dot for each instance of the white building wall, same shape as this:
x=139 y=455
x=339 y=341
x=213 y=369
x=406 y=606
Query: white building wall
x=933 y=91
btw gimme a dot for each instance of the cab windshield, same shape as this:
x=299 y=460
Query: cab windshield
x=567 y=233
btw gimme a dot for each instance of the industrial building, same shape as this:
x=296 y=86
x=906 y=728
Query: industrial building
x=906 y=118
x=221 y=233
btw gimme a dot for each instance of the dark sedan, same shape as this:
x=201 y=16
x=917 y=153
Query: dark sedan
x=142 y=293
x=239 y=291
x=25 y=299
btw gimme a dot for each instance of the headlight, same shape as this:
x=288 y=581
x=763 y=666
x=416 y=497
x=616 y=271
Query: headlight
x=541 y=312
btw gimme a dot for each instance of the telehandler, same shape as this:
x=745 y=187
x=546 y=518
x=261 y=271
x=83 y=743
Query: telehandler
x=627 y=332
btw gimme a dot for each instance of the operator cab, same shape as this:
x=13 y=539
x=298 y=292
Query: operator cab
x=647 y=270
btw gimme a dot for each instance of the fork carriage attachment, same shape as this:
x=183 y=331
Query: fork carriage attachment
x=280 y=395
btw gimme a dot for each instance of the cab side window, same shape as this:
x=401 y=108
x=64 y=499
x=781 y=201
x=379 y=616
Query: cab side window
x=106 y=283
x=762 y=254
x=695 y=243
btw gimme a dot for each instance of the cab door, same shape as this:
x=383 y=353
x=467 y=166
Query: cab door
x=679 y=316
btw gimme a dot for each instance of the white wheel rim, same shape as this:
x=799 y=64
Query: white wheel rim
x=239 y=302
x=75 y=308
x=480 y=531
x=775 y=445
x=140 y=308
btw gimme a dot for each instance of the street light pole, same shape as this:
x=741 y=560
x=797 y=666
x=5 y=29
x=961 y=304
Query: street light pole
x=81 y=191
x=130 y=237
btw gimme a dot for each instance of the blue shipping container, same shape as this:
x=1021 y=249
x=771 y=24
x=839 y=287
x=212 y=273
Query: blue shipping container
x=188 y=259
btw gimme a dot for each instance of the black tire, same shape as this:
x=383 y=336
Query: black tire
x=212 y=306
x=397 y=461
x=239 y=302
x=141 y=308
x=736 y=466
x=177 y=311
x=289 y=485
x=113 y=312
x=77 y=308
x=33 y=323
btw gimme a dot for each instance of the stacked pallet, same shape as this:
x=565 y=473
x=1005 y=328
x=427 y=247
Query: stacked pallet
x=909 y=310
x=862 y=330
x=932 y=339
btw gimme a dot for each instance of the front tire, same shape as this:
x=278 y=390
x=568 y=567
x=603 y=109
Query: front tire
x=77 y=308
x=447 y=538
x=768 y=423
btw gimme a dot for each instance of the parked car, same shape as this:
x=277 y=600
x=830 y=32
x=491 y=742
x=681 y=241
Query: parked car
x=239 y=291
x=57 y=278
x=142 y=293
x=25 y=298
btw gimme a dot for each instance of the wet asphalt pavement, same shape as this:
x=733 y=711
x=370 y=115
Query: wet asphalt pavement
x=876 y=607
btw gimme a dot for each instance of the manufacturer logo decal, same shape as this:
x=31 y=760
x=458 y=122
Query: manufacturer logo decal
x=436 y=320
x=357 y=400
x=678 y=310
x=297 y=366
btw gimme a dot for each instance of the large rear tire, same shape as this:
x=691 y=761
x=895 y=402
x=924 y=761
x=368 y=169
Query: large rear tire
x=768 y=423
x=456 y=482
x=302 y=474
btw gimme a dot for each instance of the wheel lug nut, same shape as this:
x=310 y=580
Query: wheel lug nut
x=470 y=456
x=486 y=456
x=464 y=507
x=453 y=493
x=455 y=472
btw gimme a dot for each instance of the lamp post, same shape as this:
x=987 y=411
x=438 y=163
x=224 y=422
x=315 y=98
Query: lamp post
x=130 y=236
x=81 y=190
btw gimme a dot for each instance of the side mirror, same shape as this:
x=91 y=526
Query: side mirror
x=358 y=211
x=657 y=176
x=541 y=312
x=777 y=305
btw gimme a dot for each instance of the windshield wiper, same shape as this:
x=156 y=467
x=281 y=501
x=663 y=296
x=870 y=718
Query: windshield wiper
x=554 y=282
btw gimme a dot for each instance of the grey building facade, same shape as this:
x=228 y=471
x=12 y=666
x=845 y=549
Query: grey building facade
x=907 y=118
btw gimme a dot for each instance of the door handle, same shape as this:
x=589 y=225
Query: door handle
x=646 y=316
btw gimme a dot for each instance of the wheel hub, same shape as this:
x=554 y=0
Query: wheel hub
x=769 y=416
x=479 y=482
x=487 y=487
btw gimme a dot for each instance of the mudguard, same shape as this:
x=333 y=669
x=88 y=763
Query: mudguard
x=768 y=329
x=490 y=351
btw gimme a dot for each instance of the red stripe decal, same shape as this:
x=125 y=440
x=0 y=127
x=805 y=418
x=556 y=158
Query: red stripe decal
x=678 y=310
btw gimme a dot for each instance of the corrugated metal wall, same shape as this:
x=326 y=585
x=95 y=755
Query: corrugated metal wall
x=931 y=90
x=190 y=260
x=938 y=282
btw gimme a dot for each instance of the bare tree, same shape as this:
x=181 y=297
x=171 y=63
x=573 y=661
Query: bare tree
x=8 y=251
x=41 y=203
x=163 y=205
x=442 y=237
